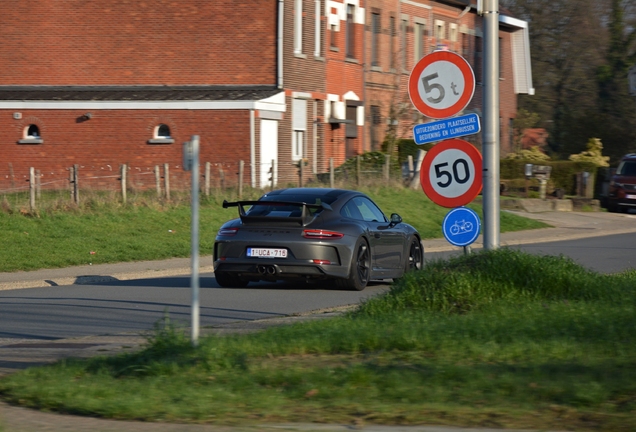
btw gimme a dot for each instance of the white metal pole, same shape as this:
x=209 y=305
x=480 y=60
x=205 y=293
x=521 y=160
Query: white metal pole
x=491 y=125
x=194 y=280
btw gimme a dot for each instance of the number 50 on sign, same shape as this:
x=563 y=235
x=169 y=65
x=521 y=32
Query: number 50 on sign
x=450 y=174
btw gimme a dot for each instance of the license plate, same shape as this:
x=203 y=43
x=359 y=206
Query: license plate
x=267 y=253
x=630 y=196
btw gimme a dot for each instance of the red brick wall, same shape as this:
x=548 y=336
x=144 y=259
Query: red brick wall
x=119 y=42
x=111 y=138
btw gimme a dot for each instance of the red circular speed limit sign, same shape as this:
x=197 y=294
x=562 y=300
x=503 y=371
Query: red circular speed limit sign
x=450 y=174
x=441 y=84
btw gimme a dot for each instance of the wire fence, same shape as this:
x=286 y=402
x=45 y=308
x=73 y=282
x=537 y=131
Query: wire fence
x=24 y=189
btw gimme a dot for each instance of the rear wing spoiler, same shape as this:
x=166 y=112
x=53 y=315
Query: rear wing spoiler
x=303 y=219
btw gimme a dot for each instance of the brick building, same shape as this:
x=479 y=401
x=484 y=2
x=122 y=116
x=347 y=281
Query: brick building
x=401 y=32
x=100 y=84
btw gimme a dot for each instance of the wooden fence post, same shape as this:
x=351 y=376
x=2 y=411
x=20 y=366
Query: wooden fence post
x=158 y=181
x=331 y=173
x=221 y=178
x=166 y=180
x=240 y=179
x=76 y=183
x=123 y=170
x=38 y=184
x=207 y=178
x=32 y=188
x=358 y=170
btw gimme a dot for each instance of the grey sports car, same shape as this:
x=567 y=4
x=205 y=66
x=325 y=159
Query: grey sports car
x=313 y=234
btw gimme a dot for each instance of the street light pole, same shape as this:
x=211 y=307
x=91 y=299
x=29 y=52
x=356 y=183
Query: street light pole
x=490 y=176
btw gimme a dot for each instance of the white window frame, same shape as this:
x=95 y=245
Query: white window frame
x=299 y=128
x=453 y=32
x=440 y=30
x=298 y=26
x=317 y=38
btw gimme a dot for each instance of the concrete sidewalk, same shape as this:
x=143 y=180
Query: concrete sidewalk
x=19 y=354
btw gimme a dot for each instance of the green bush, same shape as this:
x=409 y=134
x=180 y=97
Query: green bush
x=563 y=173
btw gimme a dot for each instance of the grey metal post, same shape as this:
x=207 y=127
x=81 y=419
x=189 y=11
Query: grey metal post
x=491 y=125
x=194 y=280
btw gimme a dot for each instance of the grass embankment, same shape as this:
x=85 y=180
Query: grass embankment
x=493 y=339
x=103 y=231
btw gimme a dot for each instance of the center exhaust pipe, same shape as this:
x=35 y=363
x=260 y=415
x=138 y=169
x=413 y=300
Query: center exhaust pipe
x=271 y=270
x=261 y=269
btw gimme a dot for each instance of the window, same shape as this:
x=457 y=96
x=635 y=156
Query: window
x=403 y=43
x=500 y=58
x=32 y=132
x=453 y=33
x=350 y=31
x=162 y=131
x=440 y=31
x=418 y=42
x=161 y=135
x=31 y=135
x=361 y=208
x=333 y=40
x=299 y=125
x=298 y=26
x=479 y=61
x=376 y=120
x=318 y=30
x=392 y=42
x=375 y=39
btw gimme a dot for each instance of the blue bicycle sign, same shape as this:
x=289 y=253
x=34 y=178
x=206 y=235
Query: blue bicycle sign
x=461 y=226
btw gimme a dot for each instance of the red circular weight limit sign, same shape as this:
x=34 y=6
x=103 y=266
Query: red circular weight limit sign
x=451 y=173
x=441 y=84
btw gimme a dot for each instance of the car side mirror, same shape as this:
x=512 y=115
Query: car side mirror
x=395 y=219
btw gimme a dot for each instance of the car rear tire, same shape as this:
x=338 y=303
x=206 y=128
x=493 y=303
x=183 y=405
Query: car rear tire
x=360 y=270
x=415 y=259
x=228 y=280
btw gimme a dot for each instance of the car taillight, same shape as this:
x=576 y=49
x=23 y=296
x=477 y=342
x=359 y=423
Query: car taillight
x=227 y=232
x=322 y=262
x=322 y=234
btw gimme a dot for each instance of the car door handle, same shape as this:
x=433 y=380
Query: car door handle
x=377 y=235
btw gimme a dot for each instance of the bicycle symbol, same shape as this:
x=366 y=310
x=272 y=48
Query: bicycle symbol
x=460 y=227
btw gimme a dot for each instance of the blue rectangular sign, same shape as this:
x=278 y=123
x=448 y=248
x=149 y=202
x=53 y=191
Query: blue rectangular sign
x=445 y=129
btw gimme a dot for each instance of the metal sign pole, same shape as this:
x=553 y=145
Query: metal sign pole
x=491 y=125
x=194 y=280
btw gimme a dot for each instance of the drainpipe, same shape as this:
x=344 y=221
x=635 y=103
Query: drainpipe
x=279 y=37
x=462 y=13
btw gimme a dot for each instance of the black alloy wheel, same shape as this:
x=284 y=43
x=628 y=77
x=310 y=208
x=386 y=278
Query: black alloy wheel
x=360 y=271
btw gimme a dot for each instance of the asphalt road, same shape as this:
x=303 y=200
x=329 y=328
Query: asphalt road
x=135 y=305
x=606 y=254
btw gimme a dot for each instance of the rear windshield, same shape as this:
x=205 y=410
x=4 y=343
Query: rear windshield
x=290 y=210
x=627 y=168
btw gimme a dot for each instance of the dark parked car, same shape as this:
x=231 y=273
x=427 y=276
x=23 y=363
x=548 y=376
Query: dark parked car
x=314 y=234
x=622 y=188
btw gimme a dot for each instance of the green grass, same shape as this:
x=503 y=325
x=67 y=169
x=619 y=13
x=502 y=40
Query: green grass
x=493 y=339
x=102 y=230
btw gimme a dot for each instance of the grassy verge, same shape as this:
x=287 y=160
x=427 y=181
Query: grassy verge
x=103 y=231
x=493 y=339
